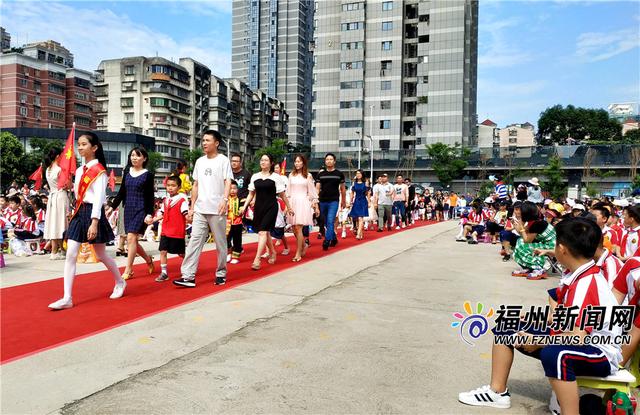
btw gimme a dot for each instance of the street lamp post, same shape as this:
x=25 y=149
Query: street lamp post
x=371 y=157
x=359 y=147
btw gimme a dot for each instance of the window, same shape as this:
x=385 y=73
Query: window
x=81 y=96
x=56 y=89
x=351 y=124
x=385 y=105
x=385 y=85
x=348 y=143
x=129 y=70
x=352 y=6
x=37 y=113
x=36 y=100
x=423 y=39
x=128 y=117
x=352 y=45
x=387 y=5
x=351 y=104
x=82 y=108
x=56 y=102
x=424 y=79
x=387 y=45
x=37 y=86
x=385 y=65
x=82 y=121
x=24 y=111
x=351 y=85
x=387 y=26
x=385 y=124
x=158 y=102
x=56 y=116
x=352 y=26
x=351 y=65
x=126 y=102
x=156 y=132
x=23 y=98
x=313 y=114
x=112 y=157
x=24 y=83
x=58 y=76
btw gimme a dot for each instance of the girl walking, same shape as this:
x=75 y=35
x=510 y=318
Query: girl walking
x=136 y=192
x=55 y=223
x=89 y=222
x=303 y=198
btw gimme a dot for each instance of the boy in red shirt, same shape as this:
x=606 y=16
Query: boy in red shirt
x=627 y=285
x=173 y=213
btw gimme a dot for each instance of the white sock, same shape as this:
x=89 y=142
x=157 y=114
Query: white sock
x=70 y=267
x=110 y=263
x=163 y=267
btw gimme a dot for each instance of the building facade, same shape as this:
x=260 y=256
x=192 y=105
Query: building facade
x=402 y=72
x=150 y=96
x=40 y=88
x=200 y=89
x=246 y=119
x=517 y=135
x=5 y=40
x=272 y=51
x=488 y=136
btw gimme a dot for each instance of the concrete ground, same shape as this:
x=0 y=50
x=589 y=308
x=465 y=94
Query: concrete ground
x=365 y=330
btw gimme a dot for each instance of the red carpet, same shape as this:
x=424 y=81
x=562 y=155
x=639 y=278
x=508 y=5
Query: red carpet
x=29 y=327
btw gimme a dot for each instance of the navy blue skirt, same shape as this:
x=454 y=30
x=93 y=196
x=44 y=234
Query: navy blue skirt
x=80 y=223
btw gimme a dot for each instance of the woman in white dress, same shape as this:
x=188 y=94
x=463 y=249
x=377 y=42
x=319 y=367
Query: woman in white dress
x=56 y=222
x=303 y=198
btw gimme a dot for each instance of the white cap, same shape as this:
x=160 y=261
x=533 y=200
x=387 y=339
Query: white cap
x=548 y=202
x=488 y=200
x=621 y=202
x=579 y=206
x=571 y=202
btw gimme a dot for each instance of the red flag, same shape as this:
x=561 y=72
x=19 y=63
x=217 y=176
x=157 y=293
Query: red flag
x=67 y=159
x=37 y=177
x=283 y=167
x=112 y=181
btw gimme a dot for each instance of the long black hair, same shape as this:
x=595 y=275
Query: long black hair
x=95 y=141
x=53 y=153
x=179 y=166
x=37 y=202
x=529 y=211
x=355 y=177
x=140 y=152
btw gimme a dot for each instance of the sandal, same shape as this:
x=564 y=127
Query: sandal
x=296 y=259
x=120 y=252
x=272 y=259
x=127 y=275
x=255 y=266
x=150 y=266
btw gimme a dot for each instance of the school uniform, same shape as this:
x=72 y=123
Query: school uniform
x=90 y=188
x=480 y=219
x=584 y=287
x=27 y=229
x=625 y=282
x=610 y=266
x=173 y=210
x=13 y=216
x=630 y=244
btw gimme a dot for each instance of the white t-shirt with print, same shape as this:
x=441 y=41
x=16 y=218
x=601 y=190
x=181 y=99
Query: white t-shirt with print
x=210 y=173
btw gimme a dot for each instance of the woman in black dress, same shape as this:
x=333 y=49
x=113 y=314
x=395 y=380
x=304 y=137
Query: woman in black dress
x=265 y=186
x=136 y=192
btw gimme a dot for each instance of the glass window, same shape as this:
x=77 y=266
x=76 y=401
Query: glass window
x=129 y=70
x=385 y=124
x=387 y=5
x=387 y=45
x=385 y=105
x=387 y=26
x=385 y=85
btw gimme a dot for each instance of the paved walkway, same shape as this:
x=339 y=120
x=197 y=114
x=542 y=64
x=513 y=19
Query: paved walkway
x=366 y=330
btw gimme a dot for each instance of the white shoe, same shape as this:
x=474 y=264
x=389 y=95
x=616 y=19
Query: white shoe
x=61 y=304
x=484 y=396
x=285 y=252
x=344 y=234
x=59 y=256
x=118 y=290
x=235 y=261
x=397 y=228
x=554 y=406
x=265 y=255
x=404 y=226
x=228 y=257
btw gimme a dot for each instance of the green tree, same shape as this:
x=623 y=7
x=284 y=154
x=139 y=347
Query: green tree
x=448 y=162
x=486 y=188
x=554 y=183
x=557 y=124
x=154 y=161
x=635 y=182
x=277 y=150
x=191 y=156
x=39 y=149
x=12 y=157
x=632 y=136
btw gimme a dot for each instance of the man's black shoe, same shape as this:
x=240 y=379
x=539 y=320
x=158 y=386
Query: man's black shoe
x=333 y=242
x=220 y=281
x=325 y=245
x=184 y=282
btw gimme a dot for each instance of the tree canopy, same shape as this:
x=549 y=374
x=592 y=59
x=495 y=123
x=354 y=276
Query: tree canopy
x=558 y=124
x=448 y=162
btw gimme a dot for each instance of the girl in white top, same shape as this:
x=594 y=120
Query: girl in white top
x=89 y=222
x=55 y=223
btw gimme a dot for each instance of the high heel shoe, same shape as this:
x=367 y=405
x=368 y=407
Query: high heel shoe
x=150 y=266
x=255 y=266
x=120 y=252
x=127 y=275
x=272 y=259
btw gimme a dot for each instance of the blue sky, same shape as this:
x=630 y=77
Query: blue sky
x=532 y=54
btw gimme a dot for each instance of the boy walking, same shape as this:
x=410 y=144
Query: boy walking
x=173 y=212
x=212 y=177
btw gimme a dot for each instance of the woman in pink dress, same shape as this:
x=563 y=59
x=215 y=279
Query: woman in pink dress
x=303 y=198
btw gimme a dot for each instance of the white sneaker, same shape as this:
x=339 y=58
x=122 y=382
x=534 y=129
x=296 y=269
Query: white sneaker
x=344 y=234
x=235 y=261
x=397 y=228
x=61 y=304
x=228 y=257
x=118 y=290
x=265 y=255
x=285 y=252
x=484 y=396
x=554 y=406
x=404 y=226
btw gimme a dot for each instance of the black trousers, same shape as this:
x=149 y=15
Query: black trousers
x=234 y=240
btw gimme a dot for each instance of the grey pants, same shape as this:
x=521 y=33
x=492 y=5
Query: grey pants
x=382 y=211
x=199 y=235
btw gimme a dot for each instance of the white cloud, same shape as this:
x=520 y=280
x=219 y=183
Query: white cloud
x=93 y=35
x=599 y=46
x=495 y=51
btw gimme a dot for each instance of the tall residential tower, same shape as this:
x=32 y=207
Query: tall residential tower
x=403 y=72
x=271 y=51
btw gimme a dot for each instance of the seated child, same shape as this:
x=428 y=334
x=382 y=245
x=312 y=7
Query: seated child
x=475 y=226
x=13 y=212
x=577 y=241
x=626 y=289
x=536 y=233
x=173 y=212
x=28 y=226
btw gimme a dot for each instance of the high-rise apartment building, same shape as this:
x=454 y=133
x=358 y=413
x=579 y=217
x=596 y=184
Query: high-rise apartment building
x=40 y=88
x=200 y=90
x=271 y=51
x=248 y=120
x=5 y=40
x=402 y=72
x=150 y=96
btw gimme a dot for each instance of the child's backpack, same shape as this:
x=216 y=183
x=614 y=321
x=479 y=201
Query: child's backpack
x=621 y=404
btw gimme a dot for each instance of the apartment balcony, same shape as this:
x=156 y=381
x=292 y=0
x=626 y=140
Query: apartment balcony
x=411 y=11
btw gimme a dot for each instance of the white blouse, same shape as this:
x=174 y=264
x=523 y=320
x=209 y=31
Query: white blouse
x=96 y=194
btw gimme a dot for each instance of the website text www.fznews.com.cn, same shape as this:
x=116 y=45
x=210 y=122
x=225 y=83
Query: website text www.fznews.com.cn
x=517 y=340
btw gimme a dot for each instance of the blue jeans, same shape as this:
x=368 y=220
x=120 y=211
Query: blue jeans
x=329 y=211
x=399 y=211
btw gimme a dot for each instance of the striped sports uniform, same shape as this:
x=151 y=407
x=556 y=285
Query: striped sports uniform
x=479 y=219
x=27 y=229
x=13 y=216
x=610 y=238
x=501 y=190
x=40 y=216
x=584 y=287
x=626 y=284
x=630 y=244
x=610 y=266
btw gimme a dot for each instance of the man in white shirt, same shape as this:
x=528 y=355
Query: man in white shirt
x=383 y=202
x=212 y=177
x=400 y=200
